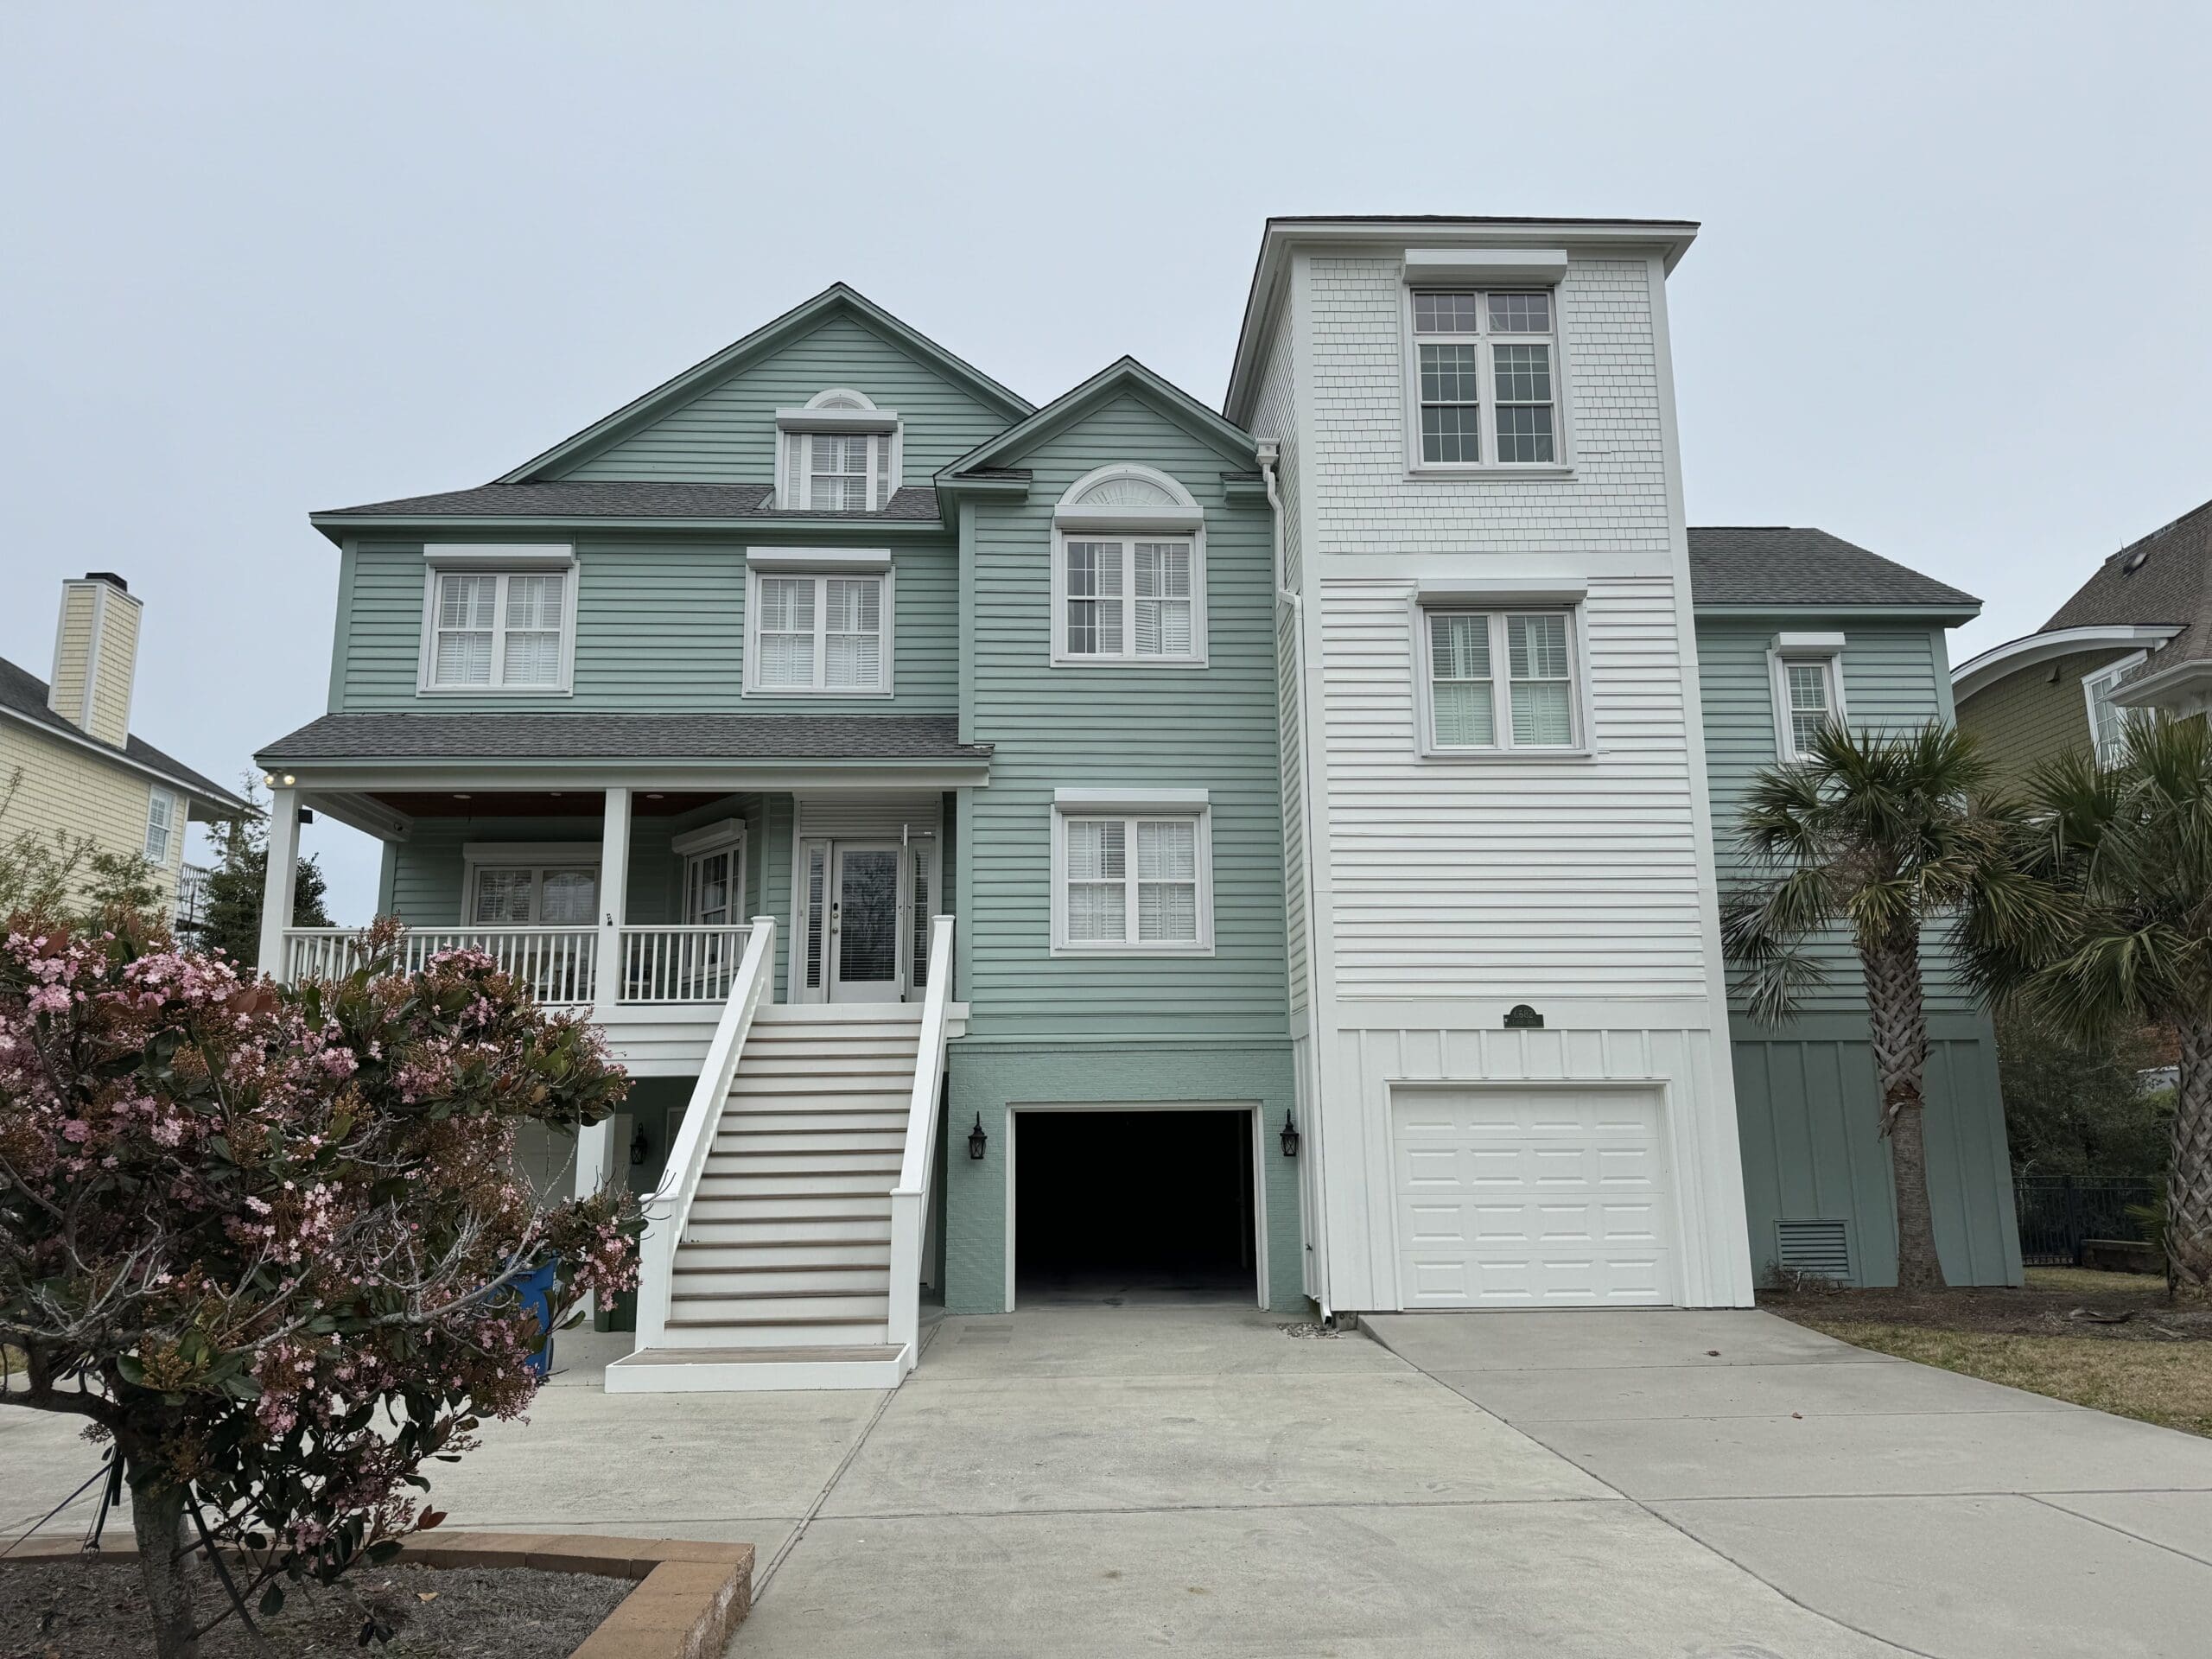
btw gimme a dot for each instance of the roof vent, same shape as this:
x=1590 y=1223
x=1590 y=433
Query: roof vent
x=1821 y=1248
x=2134 y=560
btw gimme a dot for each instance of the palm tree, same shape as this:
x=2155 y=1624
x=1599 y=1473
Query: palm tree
x=2125 y=853
x=1877 y=835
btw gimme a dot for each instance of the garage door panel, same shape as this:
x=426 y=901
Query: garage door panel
x=1532 y=1197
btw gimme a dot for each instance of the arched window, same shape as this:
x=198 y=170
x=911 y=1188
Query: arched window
x=1128 y=572
x=840 y=454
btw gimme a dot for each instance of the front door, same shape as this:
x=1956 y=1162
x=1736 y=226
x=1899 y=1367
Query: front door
x=864 y=931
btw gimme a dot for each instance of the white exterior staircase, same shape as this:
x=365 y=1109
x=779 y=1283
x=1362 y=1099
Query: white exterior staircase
x=797 y=1183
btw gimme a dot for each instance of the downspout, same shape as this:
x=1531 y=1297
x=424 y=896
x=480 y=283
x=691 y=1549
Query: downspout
x=1268 y=454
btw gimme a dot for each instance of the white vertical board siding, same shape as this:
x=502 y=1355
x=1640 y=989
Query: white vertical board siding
x=1446 y=891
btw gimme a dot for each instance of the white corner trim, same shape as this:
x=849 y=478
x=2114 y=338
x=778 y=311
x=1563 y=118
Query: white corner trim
x=1503 y=590
x=1808 y=645
x=518 y=555
x=1479 y=265
x=840 y=559
x=1128 y=800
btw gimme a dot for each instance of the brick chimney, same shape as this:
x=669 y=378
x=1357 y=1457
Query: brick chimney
x=96 y=655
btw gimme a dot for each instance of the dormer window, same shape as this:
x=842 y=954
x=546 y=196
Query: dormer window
x=840 y=454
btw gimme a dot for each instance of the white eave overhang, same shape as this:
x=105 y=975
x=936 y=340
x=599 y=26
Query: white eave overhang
x=2027 y=651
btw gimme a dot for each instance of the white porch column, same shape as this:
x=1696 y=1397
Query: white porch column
x=283 y=878
x=614 y=900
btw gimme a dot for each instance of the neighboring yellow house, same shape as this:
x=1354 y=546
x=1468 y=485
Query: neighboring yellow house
x=68 y=760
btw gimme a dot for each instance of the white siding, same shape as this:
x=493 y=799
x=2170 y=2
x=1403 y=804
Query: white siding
x=1275 y=418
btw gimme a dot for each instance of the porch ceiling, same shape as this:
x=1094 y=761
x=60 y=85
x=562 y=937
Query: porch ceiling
x=539 y=803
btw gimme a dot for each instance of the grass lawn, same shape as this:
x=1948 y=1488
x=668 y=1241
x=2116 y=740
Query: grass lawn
x=2107 y=1340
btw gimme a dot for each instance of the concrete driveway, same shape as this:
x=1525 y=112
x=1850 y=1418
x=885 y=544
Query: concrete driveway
x=1107 y=1481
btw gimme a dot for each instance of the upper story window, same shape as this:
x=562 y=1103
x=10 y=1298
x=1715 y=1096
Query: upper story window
x=818 y=622
x=1128 y=572
x=1132 y=875
x=499 y=620
x=1501 y=681
x=840 y=454
x=1484 y=377
x=162 y=815
x=1808 y=674
x=2108 y=720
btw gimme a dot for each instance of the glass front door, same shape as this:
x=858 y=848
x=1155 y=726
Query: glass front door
x=864 y=925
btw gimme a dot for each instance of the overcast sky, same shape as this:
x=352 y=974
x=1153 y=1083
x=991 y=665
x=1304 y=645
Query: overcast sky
x=1950 y=301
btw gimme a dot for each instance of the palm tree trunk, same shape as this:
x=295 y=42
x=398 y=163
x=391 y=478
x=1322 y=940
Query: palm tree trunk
x=157 y=1519
x=1897 y=1024
x=2188 y=1171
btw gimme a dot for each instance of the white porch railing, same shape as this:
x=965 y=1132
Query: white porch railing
x=910 y=1198
x=668 y=1210
x=558 y=963
x=679 y=964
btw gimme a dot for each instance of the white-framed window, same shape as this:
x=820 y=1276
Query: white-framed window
x=499 y=620
x=163 y=811
x=1482 y=379
x=1806 y=670
x=825 y=631
x=546 y=885
x=1501 y=680
x=840 y=454
x=1132 y=875
x=2108 y=720
x=714 y=873
x=1128 y=572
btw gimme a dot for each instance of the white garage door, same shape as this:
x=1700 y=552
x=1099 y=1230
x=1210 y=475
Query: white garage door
x=1531 y=1197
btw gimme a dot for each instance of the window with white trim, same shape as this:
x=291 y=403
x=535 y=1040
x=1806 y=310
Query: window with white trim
x=1808 y=672
x=819 y=632
x=162 y=814
x=1132 y=882
x=534 y=895
x=1129 y=571
x=491 y=630
x=1485 y=377
x=2108 y=720
x=1502 y=681
x=851 y=463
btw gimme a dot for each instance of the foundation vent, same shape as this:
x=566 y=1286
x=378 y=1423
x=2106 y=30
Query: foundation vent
x=1821 y=1248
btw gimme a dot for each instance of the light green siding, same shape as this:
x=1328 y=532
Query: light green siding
x=990 y=1082
x=660 y=627
x=727 y=433
x=1807 y=1101
x=2035 y=714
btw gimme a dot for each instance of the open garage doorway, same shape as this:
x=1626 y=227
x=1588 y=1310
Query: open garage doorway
x=1121 y=1206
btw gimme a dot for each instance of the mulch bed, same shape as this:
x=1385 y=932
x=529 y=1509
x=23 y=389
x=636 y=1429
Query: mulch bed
x=2133 y=1309
x=83 y=1609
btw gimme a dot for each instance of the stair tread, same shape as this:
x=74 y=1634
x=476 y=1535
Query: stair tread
x=801 y=1355
x=774 y=1295
x=788 y=1318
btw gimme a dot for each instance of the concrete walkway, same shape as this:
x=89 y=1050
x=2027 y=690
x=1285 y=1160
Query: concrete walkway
x=1108 y=1481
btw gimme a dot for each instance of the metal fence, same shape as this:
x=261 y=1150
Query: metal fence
x=2058 y=1212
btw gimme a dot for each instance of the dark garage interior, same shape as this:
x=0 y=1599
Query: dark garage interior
x=1134 y=1207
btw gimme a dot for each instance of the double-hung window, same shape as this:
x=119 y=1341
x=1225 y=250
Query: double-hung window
x=819 y=632
x=840 y=454
x=1807 y=670
x=1500 y=681
x=1131 y=880
x=2109 y=721
x=1485 y=377
x=161 y=816
x=1126 y=598
x=491 y=629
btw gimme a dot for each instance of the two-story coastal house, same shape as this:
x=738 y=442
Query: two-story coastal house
x=70 y=765
x=1107 y=848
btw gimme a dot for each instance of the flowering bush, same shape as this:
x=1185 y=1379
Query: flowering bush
x=266 y=1239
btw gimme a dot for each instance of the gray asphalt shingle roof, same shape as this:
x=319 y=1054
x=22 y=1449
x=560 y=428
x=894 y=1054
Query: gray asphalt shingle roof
x=1781 y=564
x=627 y=737
x=23 y=693
x=623 y=499
x=2164 y=578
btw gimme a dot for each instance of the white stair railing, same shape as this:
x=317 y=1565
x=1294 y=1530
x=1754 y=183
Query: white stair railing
x=668 y=1211
x=910 y=1198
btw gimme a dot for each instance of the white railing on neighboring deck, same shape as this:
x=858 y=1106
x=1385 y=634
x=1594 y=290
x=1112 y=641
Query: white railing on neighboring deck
x=910 y=1198
x=679 y=964
x=669 y=1211
x=558 y=963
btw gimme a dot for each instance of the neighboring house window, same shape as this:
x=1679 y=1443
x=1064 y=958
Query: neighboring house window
x=1806 y=670
x=818 y=632
x=2108 y=720
x=840 y=454
x=161 y=826
x=534 y=895
x=1131 y=878
x=1501 y=681
x=1486 y=381
x=1128 y=572
x=493 y=629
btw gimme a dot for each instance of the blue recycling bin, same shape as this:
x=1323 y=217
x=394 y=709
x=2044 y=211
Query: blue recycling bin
x=536 y=1290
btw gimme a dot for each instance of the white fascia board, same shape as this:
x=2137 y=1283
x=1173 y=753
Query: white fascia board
x=862 y=559
x=2153 y=689
x=1503 y=590
x=2029 y=650
x=506 y=555
x=837 y=420
x=1480 y=266
x=1127 y=800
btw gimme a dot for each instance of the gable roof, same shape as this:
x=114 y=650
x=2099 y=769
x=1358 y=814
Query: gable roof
x=993 y=456
x=837 y=299
x=1784 y=566
x=23 y=698
x=2164 y=579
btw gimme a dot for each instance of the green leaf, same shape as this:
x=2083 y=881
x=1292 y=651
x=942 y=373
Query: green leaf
x=272 y=1599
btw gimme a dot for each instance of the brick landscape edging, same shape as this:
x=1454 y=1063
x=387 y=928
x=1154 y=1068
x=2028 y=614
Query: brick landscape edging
x=690 y=1595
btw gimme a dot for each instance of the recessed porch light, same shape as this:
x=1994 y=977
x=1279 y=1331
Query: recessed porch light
x=651 y=796
x=458 y=796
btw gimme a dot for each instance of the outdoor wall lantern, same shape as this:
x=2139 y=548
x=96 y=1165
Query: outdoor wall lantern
x=976 y=1139
x=1289 y=1137
x=639 y=1145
